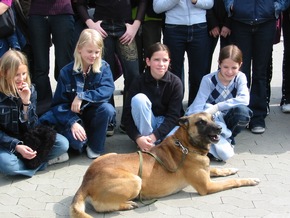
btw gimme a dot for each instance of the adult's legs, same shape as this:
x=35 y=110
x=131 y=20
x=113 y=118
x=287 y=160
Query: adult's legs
x=262 y=49
x=198 y=52
x=62 y=30
x=256 y=43
x=40 y=42
x=286 y=57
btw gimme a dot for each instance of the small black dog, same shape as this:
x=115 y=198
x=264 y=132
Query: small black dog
x=40 y=139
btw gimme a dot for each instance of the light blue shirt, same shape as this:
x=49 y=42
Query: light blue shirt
x=183 y=12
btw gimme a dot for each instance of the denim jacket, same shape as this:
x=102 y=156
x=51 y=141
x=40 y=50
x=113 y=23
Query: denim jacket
x=12 y=122
x=93 y=89
x=255 y=11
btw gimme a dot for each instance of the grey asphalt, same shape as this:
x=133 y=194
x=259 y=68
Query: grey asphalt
x=49 y=193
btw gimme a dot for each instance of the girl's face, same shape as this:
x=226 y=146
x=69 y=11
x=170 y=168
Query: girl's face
x=89 y=53
x=228 y=70
x=21 y=76
x=158 y=64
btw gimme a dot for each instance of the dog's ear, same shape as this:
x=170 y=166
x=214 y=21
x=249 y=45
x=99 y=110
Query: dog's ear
x=183 y=121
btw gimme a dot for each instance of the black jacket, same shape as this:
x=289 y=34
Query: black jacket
x=166 y=96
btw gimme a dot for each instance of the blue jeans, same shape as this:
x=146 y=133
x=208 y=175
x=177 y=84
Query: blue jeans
x=237 y=119
x=195 y=41
x=143 y=116
x=256 y=42
x=10 y=164
x=57 y=29
x=95 y=121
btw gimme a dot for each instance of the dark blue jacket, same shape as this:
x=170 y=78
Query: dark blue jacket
x=255 y=11
x=95 y=88
x=12 y=123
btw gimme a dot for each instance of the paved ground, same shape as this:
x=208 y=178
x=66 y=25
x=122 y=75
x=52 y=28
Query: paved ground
x=49 y=193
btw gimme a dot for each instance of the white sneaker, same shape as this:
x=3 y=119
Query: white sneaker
x=62 y=158
x=91 y=154
x=285 y=108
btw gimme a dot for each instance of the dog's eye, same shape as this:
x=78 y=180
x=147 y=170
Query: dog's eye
x=201 y=122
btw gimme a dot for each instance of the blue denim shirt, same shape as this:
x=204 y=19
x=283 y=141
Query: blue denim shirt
x=252 y=11
x=93 y=89
x=12 y=122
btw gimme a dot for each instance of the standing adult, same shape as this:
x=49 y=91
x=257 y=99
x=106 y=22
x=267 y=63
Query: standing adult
x=253 y=31
x=285 y=101
x=113 y=20
x=49 y=22
x=186 y=30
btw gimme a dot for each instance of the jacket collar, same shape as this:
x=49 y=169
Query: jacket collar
x=149 y=77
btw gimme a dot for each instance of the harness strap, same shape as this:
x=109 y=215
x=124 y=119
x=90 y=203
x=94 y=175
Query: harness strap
x=162 y=163
x=140 y=175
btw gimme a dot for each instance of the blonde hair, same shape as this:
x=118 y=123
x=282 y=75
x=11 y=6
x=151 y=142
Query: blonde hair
x=9 y=64
x=89 y=36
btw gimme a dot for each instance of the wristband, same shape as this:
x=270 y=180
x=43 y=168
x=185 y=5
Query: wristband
x=26 y=104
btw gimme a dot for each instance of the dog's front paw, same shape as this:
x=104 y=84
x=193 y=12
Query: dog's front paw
x=255 y=181
x=233 y=171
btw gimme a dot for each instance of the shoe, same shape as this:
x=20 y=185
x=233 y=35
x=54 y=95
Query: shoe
x=91 y=154
x=110 y=129
x=122 y=129
x=213 y=158
x=258 y=130
x=62 y=158
x=285 y=108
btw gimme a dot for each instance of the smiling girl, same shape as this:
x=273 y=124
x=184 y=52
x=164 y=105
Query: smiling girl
x=225 y=94
x=154 y=100
x=17 y=116
x=80 y=108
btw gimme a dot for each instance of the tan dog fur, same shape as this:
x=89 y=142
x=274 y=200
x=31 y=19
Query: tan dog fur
x=112 y=182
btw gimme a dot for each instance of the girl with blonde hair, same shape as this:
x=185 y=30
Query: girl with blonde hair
x=18 y=115
x=80 y=109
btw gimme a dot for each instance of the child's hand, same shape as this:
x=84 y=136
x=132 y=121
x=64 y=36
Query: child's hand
x=76 y=105
x=78 y=132
x=24 y=93
x=26 y=152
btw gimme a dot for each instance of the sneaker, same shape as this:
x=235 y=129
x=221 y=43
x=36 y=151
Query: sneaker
x=285 y=108
x=91 y=154
x=122 y=129
x=110 y=129
x=213 y=158
x=62 y=158
x=258 y=130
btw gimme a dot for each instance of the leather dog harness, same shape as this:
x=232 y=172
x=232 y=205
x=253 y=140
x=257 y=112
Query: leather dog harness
x=184 y=151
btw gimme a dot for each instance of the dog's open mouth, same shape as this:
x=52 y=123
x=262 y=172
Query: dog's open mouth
x=214 y=138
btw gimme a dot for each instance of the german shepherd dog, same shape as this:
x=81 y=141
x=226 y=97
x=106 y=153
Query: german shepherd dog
x=113 y=180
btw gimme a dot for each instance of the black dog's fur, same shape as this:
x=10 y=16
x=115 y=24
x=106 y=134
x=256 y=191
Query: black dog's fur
x=40 y=139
